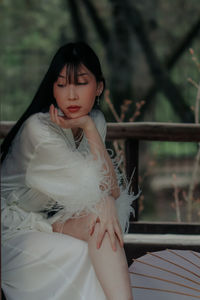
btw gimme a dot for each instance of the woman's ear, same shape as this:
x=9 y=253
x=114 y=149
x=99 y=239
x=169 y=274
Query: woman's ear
x=100 y=87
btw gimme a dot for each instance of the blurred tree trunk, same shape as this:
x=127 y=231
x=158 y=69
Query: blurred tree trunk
x=186 y=42
x=118 y=50
x=121 y=68
x=103 y=34
x=171 y=61
x=162 y=79
x=78 y=24
x=98 y=24
x=101 y=30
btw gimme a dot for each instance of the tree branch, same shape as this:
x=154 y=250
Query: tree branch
x=159 y=73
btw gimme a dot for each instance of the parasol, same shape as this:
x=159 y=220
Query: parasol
x=166 y=275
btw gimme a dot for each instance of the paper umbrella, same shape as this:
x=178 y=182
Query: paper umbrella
x=166 y=275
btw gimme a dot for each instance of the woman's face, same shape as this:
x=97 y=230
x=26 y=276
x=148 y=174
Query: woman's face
x=76 y=99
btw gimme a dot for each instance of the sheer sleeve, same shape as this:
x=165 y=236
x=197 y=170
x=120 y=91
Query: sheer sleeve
x=125 y=200
x=69 y=179
x=60 y=178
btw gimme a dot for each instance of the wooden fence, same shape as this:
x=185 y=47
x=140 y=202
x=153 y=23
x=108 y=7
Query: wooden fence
x=132 y=134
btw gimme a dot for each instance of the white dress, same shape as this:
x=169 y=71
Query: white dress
x=45 y=178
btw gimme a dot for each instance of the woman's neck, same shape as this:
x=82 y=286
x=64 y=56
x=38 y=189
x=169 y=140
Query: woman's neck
x=75 y=131
x=78 y=135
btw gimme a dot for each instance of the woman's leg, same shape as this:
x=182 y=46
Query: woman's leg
x=110 y=267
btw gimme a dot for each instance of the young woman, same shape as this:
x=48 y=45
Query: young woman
x=63 y=210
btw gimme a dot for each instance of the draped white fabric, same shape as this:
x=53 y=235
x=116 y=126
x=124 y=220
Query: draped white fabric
x=48 y=266
x=44 y=171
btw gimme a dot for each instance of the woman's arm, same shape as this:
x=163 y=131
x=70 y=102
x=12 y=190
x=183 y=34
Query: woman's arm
x=95 y=142
x=107 y=216
x=97 y=148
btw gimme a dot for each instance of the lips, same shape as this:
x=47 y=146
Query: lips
x=73 y=108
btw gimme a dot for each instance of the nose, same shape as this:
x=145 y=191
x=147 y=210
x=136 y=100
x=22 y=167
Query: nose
x=72 y=93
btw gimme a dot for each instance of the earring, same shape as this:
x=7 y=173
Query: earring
x=98 y=100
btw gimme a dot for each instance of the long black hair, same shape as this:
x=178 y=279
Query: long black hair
x=72 y=55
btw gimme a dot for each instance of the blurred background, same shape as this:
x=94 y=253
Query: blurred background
x=149 y=51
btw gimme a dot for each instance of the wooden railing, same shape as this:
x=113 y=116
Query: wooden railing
x=183 y=132
x=133 y=133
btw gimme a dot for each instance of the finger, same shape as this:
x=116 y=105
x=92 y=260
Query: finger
x=119 y=232
x=100 y=236
x=92 y=224
x=112 y=238
x=119 y=225
x=119 y=235
x=56 y=116
x=91 y=227
x=52 y=108
x=98 y=219
x=51 y=112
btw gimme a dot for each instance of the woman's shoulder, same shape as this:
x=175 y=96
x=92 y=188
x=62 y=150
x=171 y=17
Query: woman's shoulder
x=38 y=119
x=36 y=125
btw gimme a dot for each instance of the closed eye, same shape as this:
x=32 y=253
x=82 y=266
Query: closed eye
x=82 y=83
x=78 y=83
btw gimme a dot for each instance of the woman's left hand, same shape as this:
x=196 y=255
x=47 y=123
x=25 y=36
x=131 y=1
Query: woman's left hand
x=64 y=122
x=108 y=221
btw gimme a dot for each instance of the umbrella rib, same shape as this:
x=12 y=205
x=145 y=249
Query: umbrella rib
x=171 y=251
x=195 y=254
x=177 y=265
x=168 y=291
x=166 y=280
x=163 y=269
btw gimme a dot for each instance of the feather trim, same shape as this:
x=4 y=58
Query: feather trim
x=89 y=184
x=125 y=201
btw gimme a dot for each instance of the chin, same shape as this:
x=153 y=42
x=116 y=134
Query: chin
x=76 y=115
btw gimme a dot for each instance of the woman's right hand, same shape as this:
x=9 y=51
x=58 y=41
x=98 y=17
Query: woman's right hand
x=108 y=222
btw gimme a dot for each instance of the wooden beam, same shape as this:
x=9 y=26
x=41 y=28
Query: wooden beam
x=154 y=131
x=180 y=132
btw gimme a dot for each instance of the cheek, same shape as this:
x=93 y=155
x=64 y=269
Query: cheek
x=56 y=92
x=91 y=94
x=57 y=95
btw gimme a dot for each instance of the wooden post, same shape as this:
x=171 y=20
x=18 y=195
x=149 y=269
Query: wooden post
x=132 y=157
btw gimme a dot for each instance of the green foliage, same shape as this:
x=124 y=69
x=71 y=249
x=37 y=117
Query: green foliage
x=31 y=31
x=173 y=149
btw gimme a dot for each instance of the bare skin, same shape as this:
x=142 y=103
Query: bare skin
x=102 y=233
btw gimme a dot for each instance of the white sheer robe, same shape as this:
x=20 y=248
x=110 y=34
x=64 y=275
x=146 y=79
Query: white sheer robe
x=45 y=172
